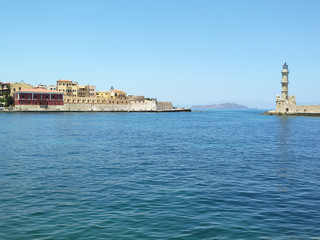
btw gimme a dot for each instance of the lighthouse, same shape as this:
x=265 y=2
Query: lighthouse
x=285 y=103
x=284 y=82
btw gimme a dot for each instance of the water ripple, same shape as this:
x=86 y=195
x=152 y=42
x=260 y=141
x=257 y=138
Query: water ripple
x=202 y=175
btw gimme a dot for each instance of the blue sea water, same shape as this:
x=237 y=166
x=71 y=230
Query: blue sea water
x=198 y=175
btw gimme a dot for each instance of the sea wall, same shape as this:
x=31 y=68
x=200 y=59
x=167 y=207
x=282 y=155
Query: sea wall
x=293 y=109
x=307 y=109
x=133 y=106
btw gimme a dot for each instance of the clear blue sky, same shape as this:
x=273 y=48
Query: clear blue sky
x=187 y=52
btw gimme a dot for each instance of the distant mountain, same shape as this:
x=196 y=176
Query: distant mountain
x=230 y=105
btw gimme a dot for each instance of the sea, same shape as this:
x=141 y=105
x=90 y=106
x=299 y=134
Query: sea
x=219 y=174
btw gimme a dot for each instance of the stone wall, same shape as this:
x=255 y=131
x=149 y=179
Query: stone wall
x=307 y=109
x=143 y=105
x=164 y=106
x=135 y=98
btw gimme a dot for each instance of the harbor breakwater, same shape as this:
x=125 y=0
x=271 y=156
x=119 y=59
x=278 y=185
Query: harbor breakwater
x=133 y=106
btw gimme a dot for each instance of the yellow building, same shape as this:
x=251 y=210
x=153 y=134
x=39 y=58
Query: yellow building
x=101 y=95
x=68 y=87
x=86 y=91
x=113 y=97
x=84 y=100
x=18 y=87
x=117 y=94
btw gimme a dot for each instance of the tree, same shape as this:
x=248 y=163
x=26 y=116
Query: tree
x=9 y=101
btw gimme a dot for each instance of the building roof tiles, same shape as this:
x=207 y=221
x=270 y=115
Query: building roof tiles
x=37 y=90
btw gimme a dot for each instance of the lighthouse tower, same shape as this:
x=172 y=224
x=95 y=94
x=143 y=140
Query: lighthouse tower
x=285 y=102
x=285 y=82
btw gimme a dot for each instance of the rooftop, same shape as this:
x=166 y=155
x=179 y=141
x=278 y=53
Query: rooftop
x=115 y=90
x=38 y=90
x=63 y=80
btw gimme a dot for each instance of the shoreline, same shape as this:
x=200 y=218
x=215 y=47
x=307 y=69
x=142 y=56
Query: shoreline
x=96 y=111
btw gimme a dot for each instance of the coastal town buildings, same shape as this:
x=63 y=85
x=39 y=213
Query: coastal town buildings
x=69 y=96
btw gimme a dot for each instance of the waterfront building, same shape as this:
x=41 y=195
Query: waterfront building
x=5 y=88
x=86 y=91
x=117 y=94
x=10 y=88
x=112 y=96
x=67 y=87
x=38 y=97
x=52 y=87
x=101 y=94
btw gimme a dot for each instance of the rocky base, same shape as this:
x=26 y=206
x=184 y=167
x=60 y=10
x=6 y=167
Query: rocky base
x=273 y=112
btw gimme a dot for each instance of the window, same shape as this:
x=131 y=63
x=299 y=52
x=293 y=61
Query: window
x=35 y=96
x=53 y=96
x=19 y=88
x=14 y=89
x=22 y=95
x=47 y=96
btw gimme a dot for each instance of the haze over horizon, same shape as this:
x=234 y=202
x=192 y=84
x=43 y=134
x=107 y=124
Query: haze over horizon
x=187 y=52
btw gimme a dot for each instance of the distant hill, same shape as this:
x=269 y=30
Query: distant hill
x=230 y=105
